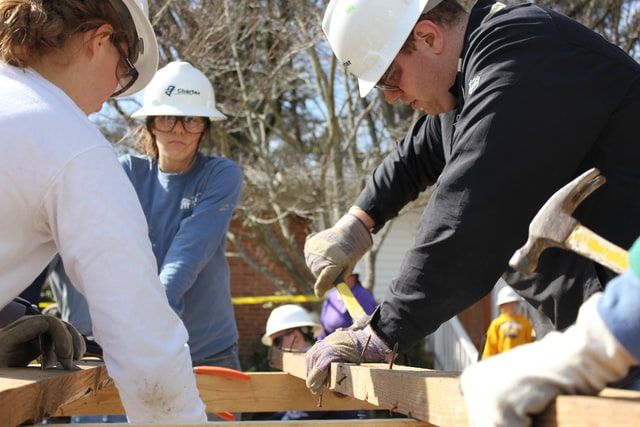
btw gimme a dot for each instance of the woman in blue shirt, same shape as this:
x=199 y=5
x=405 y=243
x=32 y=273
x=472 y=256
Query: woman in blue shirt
x=188 y=199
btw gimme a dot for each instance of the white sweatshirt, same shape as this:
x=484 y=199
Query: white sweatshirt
x=63 y=190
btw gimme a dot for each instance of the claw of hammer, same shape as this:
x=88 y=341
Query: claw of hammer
x=553 y=226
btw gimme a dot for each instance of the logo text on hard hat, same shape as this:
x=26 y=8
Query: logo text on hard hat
x=170 y=90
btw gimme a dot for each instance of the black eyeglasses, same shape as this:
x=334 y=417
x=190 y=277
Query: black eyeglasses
x=128 y=76
x=277 y=341
x=388 y=79
x=191 y=124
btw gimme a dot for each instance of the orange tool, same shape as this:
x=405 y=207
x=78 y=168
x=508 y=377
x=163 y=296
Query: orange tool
x=223 y=372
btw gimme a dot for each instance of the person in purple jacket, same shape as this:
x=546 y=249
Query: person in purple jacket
x=334 y=314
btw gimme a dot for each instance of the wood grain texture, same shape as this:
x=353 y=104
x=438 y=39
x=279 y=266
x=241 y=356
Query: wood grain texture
x=265 y=392
x=30 y=394
x=434 y=396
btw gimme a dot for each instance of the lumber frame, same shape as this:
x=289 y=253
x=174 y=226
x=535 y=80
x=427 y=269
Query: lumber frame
x=265 y=392
x=434 y=396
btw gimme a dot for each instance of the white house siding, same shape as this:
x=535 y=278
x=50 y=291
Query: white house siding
x=397 y=242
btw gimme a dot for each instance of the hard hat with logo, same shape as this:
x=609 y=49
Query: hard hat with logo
x=366 y=35
x=507 y=295
x=179 y=89
x=146 y=45
x=285 y=317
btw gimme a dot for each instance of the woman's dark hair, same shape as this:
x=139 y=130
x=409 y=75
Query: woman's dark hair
x=32 y=28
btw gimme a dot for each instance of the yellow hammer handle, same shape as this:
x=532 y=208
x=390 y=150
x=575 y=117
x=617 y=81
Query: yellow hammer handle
x=353 y=306
x=589 y=244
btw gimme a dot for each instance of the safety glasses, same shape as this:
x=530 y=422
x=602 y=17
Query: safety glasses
x=389 y=79
x=191 y=124
x=126 y=72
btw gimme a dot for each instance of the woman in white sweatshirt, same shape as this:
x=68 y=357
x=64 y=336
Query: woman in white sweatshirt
x=63 y=191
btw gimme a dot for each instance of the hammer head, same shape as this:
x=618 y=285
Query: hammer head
x=553 y=223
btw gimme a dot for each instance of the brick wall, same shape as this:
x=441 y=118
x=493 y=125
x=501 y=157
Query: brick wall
x=245 y=281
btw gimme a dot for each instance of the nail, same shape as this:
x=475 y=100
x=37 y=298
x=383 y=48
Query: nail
x=363 y=350
x=394 y=354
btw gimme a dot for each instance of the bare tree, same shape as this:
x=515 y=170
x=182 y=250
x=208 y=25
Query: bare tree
x=305 y=141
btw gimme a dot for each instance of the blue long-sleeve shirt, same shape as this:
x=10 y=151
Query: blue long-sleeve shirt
x=188 y=216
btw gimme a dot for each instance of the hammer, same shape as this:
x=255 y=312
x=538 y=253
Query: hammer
x=553 y=226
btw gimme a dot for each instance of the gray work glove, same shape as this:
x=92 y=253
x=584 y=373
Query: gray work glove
x=507 y=389
x=335 y=251
x=31 y=336
x=344 y=345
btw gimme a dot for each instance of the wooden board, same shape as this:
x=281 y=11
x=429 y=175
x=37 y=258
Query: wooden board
x=30 y=394
x=265 y=392
x=311 y=423
x=434 y=396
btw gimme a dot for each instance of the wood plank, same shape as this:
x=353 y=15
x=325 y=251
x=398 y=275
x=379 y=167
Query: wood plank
x=30 y=394
x=265 y=392
x=400 y=422
x=434 y=396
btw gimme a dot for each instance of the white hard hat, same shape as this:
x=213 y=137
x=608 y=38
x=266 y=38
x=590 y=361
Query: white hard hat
x=507 y=295
x=147 y=61
x=366 y=35
x=285 y=317
x=179 y=89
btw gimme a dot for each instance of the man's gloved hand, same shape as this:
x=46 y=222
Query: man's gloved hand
x=21 y=341
x=336 y=250
x=506 y=389
x=344 y=345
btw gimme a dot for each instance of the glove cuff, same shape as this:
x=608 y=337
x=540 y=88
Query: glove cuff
x=359 y=236
x=634 y=258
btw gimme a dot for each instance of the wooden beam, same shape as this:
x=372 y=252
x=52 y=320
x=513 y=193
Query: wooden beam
x=265 y=392
x=434 y=396
x=29 y=394
x=391 y=422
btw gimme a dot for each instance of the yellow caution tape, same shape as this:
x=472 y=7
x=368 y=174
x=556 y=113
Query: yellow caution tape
x=246 y=300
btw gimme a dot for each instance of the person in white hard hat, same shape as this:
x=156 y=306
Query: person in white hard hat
x=188 y=199
x=485 y=78
x=63 y=191
x=510 y=329
x=290 y=327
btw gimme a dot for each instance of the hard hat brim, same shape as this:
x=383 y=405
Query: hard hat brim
x=168 y=110
x=147 y=61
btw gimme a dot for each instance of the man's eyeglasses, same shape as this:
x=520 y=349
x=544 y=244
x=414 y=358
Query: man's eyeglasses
x=126 y=73
x=389 y=78
x=191 y=124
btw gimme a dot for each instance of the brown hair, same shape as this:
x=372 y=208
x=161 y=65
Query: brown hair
x=447 y=13
x=32 y=28
x=146 y=140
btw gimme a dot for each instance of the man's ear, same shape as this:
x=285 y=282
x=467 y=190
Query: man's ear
x=429 y=33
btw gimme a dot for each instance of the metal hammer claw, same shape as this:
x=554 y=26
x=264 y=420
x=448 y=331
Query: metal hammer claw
x=553 y=226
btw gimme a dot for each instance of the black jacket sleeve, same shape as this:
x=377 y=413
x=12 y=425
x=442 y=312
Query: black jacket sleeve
x=414 y=164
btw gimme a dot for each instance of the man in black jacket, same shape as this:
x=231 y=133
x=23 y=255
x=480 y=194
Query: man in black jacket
x=519 y=101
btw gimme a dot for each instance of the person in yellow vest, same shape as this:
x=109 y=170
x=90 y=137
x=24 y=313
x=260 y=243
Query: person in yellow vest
x=510 y=329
